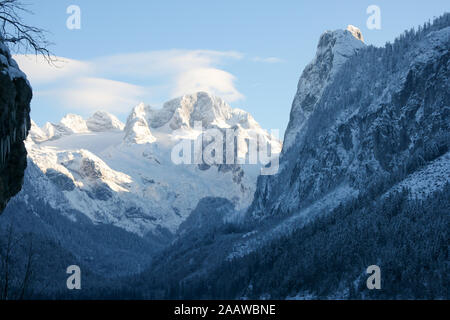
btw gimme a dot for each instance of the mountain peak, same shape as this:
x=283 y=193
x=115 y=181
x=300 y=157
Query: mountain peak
x=333 y=50
x=74 y=123
x=137 y=129
x=340 y=39
x=145 y=123
x=186 y=110
x=355 y=32
x=104 y=121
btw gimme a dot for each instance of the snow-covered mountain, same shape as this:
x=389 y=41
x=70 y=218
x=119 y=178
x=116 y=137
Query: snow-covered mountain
x=123 y=175
x=364 y=179
x=333 y=50
x=102 y=121
x=360 y=117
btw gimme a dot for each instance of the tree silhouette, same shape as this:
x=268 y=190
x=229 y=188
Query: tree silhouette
x=13 y=284
x=19 y=36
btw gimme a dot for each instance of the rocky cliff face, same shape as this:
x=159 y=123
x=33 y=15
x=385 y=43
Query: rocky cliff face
x=333 y=50
x=15 y=97
x=364 y=176
x=363 y=119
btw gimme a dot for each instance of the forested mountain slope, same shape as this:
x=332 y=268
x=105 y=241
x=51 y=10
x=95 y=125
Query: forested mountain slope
x=364 y=179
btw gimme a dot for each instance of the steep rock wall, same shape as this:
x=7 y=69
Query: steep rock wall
x=15 y=97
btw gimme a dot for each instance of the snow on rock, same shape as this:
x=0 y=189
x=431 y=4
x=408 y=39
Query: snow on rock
x=36 y=134
x=104 y=121
x=181 y=113
x=363 y=119
x=333 y=50
x=355 y=32
x=74 y=123
x=68 y=125
x=211 y=111
x=178 y=118
x=431 y=178
x=127 y=177
x=53 y=131
x=11 y=68
x=137 y=129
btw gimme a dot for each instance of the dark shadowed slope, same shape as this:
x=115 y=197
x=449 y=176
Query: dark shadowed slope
x=15 y=97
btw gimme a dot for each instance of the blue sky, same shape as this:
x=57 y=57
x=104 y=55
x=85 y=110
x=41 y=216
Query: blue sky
x=250 y=52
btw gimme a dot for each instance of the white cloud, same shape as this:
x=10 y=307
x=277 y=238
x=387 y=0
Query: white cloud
x=109 y=83
x=168 y=62
x=39 y=71
x=90 y=94
x=267 y=60
x=215 y=81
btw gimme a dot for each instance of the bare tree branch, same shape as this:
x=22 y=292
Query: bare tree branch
x=19 y=36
